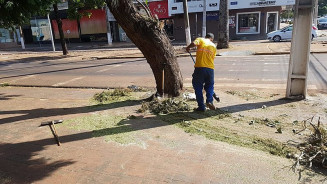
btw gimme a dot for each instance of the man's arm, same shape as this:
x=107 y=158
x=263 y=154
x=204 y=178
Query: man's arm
x=190 y=46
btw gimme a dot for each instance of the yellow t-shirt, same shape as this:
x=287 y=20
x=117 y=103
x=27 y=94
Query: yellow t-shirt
x=205 y=53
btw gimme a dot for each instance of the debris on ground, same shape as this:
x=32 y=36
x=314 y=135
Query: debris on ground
x=189 y=96
x=314 y=150
x=108 y=95
x=279 y=130
x=135 y=88
x=165 y=106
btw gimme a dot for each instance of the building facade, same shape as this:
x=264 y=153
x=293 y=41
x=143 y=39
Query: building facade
x=249 y=19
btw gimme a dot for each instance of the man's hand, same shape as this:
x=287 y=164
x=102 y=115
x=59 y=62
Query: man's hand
x=189 y=47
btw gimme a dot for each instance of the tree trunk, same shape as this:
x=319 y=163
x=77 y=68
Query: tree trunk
x=223 y=29
x=61 y=32
x=152 y=40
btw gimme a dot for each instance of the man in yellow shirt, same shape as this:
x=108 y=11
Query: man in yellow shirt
x=203 y=76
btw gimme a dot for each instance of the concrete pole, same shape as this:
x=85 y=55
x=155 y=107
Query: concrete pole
x=21 y=37
x=204 y=19
x=300 y=50
x=108 y=27
x=187 y=23
x=51 y=35
x=315 y=15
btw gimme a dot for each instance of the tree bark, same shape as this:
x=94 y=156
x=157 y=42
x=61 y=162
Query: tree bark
x=152 y=40
x=61 y=32
x=223 y=29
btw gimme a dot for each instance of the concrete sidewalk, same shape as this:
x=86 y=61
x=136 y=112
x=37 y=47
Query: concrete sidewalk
x=163 y=154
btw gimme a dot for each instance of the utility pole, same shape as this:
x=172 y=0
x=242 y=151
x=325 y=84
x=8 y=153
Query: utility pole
x=51 y=35
x=108 y=27
x=300 y=50
x=21 y=37
x=315 y=14
x=204 y=19
x=187 y=23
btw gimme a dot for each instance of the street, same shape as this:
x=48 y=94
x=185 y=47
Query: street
x=269 y=71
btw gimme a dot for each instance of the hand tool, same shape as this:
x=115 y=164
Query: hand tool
x=53 y=129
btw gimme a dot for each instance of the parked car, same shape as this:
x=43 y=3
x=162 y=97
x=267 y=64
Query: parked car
x=286 y=34
x=322 y=23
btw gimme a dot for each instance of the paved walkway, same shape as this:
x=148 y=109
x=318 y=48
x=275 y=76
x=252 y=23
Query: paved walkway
x=166 y=154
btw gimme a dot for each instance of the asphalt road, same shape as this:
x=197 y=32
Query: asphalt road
x=268 y=71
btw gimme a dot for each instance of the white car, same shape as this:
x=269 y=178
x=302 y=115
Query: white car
x=286 y=34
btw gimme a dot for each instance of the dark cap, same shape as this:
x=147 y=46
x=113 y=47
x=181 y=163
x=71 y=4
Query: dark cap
x=210 y=35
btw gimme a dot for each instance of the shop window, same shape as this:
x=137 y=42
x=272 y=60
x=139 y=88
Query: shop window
x=248 y=23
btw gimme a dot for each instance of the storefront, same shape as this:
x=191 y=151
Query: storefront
x=250 y=19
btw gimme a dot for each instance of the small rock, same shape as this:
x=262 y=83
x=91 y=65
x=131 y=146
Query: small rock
x=264 y=107
x=252 y=122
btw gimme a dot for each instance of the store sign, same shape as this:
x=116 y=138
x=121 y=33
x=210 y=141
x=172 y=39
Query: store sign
x=159 y=8
x=259 y=3
x=213 y=15
x=193 y=6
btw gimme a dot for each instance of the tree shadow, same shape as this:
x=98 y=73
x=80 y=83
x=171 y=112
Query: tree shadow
x=7 y=97
x=141 y=123
x=43 y=113
x=19 y=165
x=70 y=69
x=31 y=59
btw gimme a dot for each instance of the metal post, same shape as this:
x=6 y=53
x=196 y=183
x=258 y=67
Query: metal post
x=204 y=19
x=300 y=50
x=187 y=23
x=51 y=35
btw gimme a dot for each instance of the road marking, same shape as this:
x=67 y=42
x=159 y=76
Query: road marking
x=274 y=63
x=72 y=80
x=103 y=70
x=29 y=76
x=238 y=70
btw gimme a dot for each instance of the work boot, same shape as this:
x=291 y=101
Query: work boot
x=216 y=97
x=211 y=106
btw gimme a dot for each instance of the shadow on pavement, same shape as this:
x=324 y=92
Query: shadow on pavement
x=7 y=97
x=69 y=69
x=42 y=113
x=31 y=59
x=20 y=162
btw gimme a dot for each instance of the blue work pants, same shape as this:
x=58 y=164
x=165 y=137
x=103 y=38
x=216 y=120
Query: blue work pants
x=203 y=78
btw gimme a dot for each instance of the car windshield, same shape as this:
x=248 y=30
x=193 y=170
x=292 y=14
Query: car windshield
x=288 y=28
x=323 y=20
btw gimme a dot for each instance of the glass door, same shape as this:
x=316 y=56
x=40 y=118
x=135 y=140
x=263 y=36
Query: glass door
x=272 y=21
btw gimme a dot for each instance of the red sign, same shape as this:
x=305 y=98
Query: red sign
x=95 y=24
x=159 y=8
x=69 y=27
